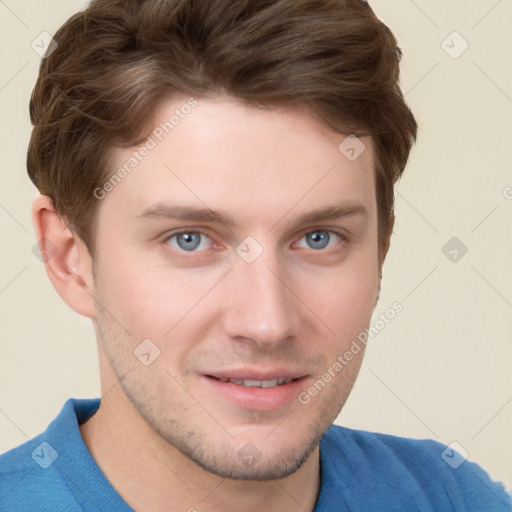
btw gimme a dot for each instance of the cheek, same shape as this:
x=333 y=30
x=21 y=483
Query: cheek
x=148 y=299
x=130 y=292
x=344 y=297
x=358 y=292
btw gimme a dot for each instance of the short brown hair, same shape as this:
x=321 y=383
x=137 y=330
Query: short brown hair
x=118 y=58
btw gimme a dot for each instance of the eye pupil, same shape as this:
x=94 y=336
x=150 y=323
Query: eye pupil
x=319 y=239
x=188 y=241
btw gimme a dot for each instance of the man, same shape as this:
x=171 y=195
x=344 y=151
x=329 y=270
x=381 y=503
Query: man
x=216 y=184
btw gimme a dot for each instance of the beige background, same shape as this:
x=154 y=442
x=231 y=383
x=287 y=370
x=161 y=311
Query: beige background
x=441 y=368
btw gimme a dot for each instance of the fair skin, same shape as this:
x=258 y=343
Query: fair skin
x=172 y=436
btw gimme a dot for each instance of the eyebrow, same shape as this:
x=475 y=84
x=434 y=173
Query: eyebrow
x=330 y=212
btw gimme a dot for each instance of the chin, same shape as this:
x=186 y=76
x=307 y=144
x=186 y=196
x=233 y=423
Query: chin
x=250 y=464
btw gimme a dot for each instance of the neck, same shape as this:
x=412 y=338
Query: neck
x=150 y=474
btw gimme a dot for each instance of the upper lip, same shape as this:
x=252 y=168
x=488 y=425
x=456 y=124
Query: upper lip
x=257 y=374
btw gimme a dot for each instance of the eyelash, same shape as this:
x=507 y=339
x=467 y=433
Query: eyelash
x=343 y=238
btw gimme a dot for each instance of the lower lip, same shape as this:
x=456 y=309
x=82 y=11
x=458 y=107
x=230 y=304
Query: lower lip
x=255 y=398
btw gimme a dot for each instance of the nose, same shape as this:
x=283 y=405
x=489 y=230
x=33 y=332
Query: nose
x=258 y=305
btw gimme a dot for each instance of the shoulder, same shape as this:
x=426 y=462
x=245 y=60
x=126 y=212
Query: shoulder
x=33 y=475
x=27 y=472
x=437 y=473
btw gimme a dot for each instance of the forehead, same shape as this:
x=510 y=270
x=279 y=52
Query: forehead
x=245 y=160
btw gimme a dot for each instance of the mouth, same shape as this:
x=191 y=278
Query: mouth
x=252 y=383
x=266 y=393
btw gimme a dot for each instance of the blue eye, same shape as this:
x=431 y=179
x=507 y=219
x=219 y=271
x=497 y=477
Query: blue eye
x=187 y=240
x=319 y=239
x=196 y=241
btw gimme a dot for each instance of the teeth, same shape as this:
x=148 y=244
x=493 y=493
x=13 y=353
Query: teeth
x=270 y=383
x=267 y=383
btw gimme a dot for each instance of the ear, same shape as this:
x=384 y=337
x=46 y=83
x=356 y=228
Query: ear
x=66 y=258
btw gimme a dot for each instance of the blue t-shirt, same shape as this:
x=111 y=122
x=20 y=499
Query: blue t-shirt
x=360 y=471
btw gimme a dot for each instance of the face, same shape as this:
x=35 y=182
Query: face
x=236 y=262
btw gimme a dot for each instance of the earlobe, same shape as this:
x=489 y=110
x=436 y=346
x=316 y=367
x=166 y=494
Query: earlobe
x=66 y=258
